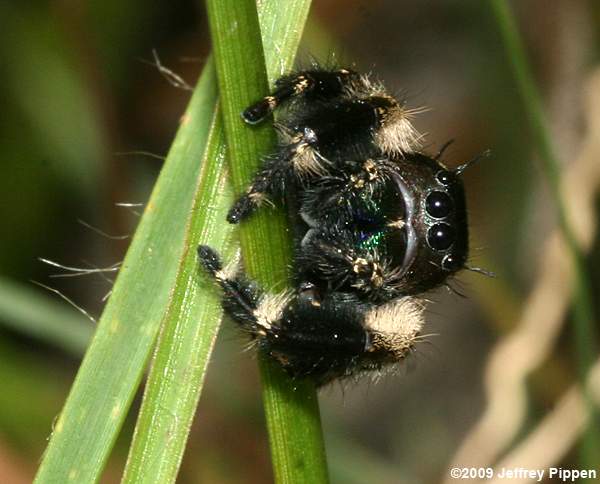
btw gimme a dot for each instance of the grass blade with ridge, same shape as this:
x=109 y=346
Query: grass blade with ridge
x=114 y=363
x=188 y=333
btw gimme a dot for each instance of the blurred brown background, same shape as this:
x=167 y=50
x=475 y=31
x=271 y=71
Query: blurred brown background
x=86 y=118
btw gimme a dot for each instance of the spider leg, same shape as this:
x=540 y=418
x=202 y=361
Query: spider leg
x=320 y=340
x=296 y=160
x=308 y=338
x=240 y=296
x=268 y=183
x=340 y=337
x=316 y=83
x=335 y=255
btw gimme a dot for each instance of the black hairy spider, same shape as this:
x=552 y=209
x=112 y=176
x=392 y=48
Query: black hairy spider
x=379 y=224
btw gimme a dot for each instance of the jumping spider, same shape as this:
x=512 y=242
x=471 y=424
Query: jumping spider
x=380 y=224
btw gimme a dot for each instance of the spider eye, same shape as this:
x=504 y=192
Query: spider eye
x=451 y=263
x=440 y=236
x=444 y=177
x=438 y=204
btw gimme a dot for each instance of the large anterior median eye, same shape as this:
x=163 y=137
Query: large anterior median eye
x=438 y=204
x=440 y=236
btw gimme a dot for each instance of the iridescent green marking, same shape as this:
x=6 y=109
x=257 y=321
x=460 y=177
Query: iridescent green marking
x=372 y=241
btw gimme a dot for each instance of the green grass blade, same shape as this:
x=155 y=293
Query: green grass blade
x=188 y=334
x=583 y=312
x=114 y=363
x=291 y=407
x=29 y=312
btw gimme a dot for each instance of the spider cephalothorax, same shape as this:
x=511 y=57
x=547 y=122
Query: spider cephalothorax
x=394 y=226
x=379 y=222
